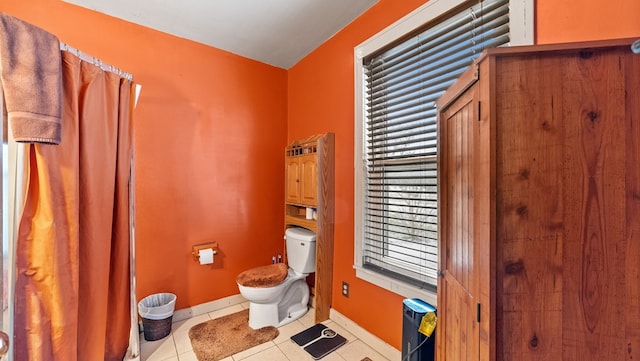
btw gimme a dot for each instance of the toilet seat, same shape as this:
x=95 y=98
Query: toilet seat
x=264 y=276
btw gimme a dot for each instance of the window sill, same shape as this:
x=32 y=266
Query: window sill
x=395 y=286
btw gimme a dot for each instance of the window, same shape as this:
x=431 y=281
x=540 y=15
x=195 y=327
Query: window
x=396 y=176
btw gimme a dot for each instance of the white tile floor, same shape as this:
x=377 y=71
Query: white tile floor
x=177 y=346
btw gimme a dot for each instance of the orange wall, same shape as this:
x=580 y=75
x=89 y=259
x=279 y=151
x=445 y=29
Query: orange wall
x=210 y=129
x=581 y=20
x=321 y=99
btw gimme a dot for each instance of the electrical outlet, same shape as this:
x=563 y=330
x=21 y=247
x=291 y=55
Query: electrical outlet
x=345 y=289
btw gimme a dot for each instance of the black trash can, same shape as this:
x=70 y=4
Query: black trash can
x=413 y=348
x=157 y=314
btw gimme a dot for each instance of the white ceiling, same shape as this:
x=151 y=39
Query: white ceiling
x=276 y=32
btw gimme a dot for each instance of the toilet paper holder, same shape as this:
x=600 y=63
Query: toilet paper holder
x=195 y=250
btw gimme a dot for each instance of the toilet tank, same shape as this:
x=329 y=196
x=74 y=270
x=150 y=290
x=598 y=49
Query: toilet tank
x=301 y=249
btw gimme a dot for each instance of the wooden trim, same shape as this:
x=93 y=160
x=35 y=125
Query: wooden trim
x=486 y=210
x=325 y=224
x=464 y=82
x=556 y=48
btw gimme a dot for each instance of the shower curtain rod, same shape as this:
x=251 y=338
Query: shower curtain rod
x=95 y=61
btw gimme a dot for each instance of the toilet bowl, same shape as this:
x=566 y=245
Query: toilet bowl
x=277 y=305
x=278 y=294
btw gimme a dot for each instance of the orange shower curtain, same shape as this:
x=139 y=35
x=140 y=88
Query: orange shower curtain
x=72 y=289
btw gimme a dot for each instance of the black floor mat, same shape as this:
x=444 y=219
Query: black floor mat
x=316 y=346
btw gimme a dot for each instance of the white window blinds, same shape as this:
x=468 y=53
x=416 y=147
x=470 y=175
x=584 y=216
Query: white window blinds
x=402 y=83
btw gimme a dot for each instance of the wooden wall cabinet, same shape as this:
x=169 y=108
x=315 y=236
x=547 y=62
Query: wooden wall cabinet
x=539 y=196
x=309 y=182
x=301 y=182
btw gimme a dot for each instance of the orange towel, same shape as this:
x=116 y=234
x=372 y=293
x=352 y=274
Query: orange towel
x=31 y=74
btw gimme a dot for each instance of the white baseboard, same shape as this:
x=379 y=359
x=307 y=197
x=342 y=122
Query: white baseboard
x=376 y=343
x=203 y=308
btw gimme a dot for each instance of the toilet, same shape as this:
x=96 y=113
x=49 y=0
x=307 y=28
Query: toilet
x=278 y=295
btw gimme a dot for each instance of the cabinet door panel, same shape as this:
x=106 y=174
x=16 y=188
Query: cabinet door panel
x=309 y=180
x=457 y=316
x=458 y=325
x=292 y=180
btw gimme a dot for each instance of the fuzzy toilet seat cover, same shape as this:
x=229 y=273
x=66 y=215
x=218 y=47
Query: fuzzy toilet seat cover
x=265 y=276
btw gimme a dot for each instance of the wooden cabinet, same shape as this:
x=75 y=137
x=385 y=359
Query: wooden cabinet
x=309 y=183
x=301 y=182
x=539 y=199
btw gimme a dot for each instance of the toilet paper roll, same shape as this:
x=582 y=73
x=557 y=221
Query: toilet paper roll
x=309 y=214
x=206 y=256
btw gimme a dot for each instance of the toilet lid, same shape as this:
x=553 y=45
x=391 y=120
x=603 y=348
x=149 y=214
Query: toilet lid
x=265 y=276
